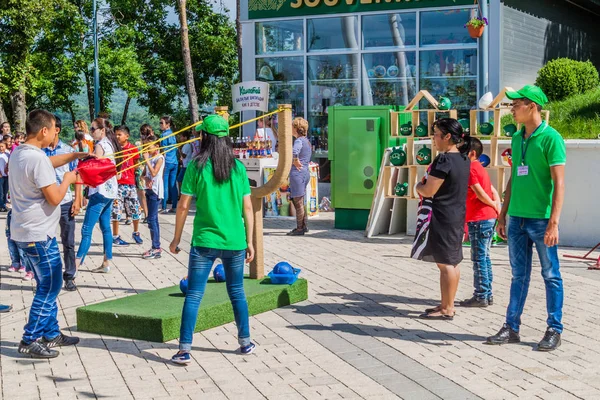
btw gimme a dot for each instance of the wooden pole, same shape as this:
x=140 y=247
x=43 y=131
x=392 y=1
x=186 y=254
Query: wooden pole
x=284 y=164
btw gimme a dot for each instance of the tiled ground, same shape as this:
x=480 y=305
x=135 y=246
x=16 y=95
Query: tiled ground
x=356 y=337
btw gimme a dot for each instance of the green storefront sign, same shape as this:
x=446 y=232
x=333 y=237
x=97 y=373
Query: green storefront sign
x=258 y=9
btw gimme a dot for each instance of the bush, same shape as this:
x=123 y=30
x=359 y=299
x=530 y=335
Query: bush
x=563 y=77
x=587 y=76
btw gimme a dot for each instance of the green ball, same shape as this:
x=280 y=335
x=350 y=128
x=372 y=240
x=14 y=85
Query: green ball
x=422 y=130
x=401 y=189
x=406 y=129
x=466 y=124
x=398 y=156
x=445 y=103
x=510 y=129
x=424 y=156
x=487 y=128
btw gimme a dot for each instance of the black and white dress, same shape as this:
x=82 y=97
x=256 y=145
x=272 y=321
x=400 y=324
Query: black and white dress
x=441 y=219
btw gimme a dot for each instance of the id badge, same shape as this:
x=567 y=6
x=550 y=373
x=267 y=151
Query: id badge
x=523 y=170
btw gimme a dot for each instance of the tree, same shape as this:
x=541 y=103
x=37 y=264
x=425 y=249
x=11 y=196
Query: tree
x=187 y=62
x=21 y=24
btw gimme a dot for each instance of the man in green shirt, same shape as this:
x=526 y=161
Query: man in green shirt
x=533 y=201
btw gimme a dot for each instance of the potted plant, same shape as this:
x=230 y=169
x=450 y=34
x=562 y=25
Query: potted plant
x=476 y=26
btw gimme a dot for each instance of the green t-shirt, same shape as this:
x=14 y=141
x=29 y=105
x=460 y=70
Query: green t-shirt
x=219 y=222
x=531 y=194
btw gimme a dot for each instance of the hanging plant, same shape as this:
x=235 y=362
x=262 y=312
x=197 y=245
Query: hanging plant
x=476 y=26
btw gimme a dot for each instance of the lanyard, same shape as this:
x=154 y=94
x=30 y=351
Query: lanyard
x=525 y=146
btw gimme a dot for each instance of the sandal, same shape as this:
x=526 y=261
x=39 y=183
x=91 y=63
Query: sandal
x=432 y=310
x=442 y=317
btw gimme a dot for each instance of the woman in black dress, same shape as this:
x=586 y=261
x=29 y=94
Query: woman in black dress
x=441 y=219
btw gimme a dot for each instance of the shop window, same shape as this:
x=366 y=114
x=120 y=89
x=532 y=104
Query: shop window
x=392 y=78
x=279 y=36
x=389 y=30
x=452 y=74
x=445 y=27
x=332 y=81
x=286 y=81
x=339 y=33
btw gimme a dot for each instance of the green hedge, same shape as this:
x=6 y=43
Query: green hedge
x=563 y=77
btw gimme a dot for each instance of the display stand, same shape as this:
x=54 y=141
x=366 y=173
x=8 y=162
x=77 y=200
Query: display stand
x=389 y=212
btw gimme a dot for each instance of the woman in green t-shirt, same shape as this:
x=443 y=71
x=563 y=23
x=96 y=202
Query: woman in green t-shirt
x=223 y=229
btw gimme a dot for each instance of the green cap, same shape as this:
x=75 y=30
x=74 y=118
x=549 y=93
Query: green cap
x=530 y=92
x=214 y=125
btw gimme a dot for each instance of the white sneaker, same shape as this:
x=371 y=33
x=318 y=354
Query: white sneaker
x=102 y=269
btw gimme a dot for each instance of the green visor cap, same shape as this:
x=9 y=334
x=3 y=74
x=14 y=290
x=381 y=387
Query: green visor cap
x=530 y=92
x=214 y=125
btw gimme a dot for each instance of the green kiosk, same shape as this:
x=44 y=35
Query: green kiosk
x=358 y=136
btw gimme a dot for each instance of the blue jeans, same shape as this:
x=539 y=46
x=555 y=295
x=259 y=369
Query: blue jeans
x=98 y=209
x=170 y=181
x=152 y=201
x=201 y=262
x=480 y=236
x=3 y=191
x=523 y=233
x=43 y=258
x=16 y=255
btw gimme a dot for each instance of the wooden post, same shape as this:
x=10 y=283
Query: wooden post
x=284 y=164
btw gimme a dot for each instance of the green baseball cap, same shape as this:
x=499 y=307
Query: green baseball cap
x=214 y=125
x=530 y=92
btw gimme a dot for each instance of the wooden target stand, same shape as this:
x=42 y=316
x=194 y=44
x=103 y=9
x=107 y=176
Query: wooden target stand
x=284 y=164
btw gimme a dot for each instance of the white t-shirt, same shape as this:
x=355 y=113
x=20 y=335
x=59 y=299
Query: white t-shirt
x=3 y=164
x=157 y=184
x=261 y=132
x=110 y=188
x=188 y=151
x=33 y=218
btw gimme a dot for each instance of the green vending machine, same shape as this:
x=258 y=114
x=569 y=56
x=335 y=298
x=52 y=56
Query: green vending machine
x=358 y=136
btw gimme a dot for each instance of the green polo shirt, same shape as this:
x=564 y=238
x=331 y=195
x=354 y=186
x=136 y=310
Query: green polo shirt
x=531 y=194
x=219 y=221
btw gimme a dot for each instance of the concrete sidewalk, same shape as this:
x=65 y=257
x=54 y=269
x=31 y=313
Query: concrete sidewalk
x=358 y=335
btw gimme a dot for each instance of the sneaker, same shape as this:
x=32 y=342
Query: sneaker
x=182 y=357
x=3 y=209
x=37 y=350
x=60 y=340
x=119 y=242
x=5 y=308
x=296 y=232
x=102 y=269
x=145 y=221
x=12 y=269
x=491 y=301
x=171 y=211
x=474 y=302
x=247 y=349
x=152 y=253
x=128 y=221
x=551 y=340
x=28 y=276
x=505 y=335
x=466 y=244
x=137 y=238
x=70 y=285
x=21 y=269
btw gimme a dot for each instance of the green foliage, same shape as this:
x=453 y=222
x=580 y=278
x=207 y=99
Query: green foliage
x=563 y=77
x=577 y=117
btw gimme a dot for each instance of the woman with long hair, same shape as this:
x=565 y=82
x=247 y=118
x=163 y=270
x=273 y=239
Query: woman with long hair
x=442 y=212
x=300 y=175
x=223 y=230
x=101 y=197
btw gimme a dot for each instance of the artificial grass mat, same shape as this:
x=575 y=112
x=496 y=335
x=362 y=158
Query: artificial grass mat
x=156 y=315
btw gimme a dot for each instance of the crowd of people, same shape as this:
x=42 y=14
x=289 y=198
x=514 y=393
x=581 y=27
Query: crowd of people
x=455 y=190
